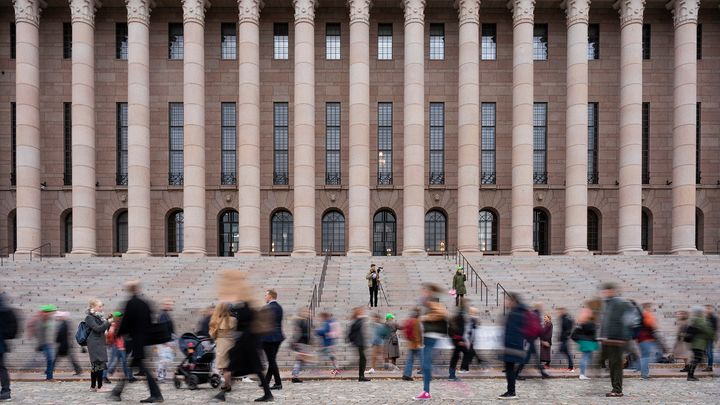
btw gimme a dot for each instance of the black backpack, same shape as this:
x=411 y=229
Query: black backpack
x=9 y=323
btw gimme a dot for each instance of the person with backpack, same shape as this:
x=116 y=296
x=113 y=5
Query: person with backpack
x=514 y=352
x=412 y=329
x=98 y=323
x=356 y=337
x=458 y=284
x=391 y=343
x=532 y=330
x=8 y=330
x=619 y=318
x=62 y=340
x=434 y=322
x=566 y=328
x=300 y=342
x=456 y=332
x=328 y=333
x=646 y=339
x=40 y=328
x=585 y=334
x=698 y=334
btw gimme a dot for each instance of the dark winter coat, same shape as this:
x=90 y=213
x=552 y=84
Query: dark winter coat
x=245 y=354
x=613 y=325
x=3 y=345
x=459 y=283
x=566 y=327
x=96 y=340
x=61 y=338
x=514 y=339
x=356 y=336
x=136 y=323
x=546 y=338
x=277 y=334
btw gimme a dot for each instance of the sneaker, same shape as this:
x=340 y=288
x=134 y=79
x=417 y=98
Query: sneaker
x=693 y=379
x=423 y=396
x=265 y=398
x=583 y=377
x=507 y=395
x=463 y=371
x=247 y=380
x=614 y=394
x=104 y=389
x=407 y=378
x=5 y=396
x=363 y=379
x=152 y=400
x=454 y=379
x=296 y=380
x=371 y=371
x=571 y=370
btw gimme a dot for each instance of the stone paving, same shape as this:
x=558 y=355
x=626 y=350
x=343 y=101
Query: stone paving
x=378 y=392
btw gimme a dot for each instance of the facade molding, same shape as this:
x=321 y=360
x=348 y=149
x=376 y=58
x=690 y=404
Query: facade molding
x=468 y=11
x=684 y=11
x=360 y=11
x=83 y=11
x=249 y=11
x=631 y=11
x=194 y=11
x=523 y=11
x=28 y=11
x=305 y=11
x=139 y=11
x=576 y=11
x=414 y=11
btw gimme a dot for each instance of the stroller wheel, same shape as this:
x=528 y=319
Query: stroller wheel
x=215 y=381
x=177 y=383
x=192 y=381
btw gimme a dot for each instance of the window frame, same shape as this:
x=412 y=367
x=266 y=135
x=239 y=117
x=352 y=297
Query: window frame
x=594 y=230
x=121 y=41
x=281 y=177
x=121 y=155
x=385 y=41
x=228 y=41
x=228 y=152
x=231 y=218
x=646 y=41
x=333 y=147
x=67 y=232
x=436 y=41
x=699 y=41
x=645 y=145
x=593 y=52
x=121 y=242
x=485 y=230
x=333 y=43
x=491 y=52
x=436 y=154
x=698 y=142
x=176 y=175
x=286 y=223
x=593 y=138
x=488 y=176
x=13 y=40
x=435 y=221
x=67 y=143
x=540 y=54
x=13 y=143
x=176 y=42
x=330 y=239
x=385 y=144
x=175 y=232
x=540 y=177
x=67 y=40
x=281 y=41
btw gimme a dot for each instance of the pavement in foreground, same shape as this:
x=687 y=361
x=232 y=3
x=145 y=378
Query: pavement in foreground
x=378 y=392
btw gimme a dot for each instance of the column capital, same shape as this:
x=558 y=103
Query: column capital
x=414 y=11
x=631 y=11
x=249 y=11
x=523 y=11
x=576 y=11
x=194 y=11
x=139 y=11
x=305 y=10
x=360 y=11
x=84 y=11
x=684 y=11
x=28 y=11
x=468 y=11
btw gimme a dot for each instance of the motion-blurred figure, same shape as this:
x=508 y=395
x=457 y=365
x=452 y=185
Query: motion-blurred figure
x=514 y=353
x=615 y=332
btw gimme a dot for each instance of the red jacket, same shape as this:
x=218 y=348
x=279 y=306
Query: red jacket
x=647 y=331
x=111 y=337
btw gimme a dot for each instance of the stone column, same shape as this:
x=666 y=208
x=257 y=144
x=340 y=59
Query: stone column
x=468 y=125
x=139 y=212
x=249 y=127
x=194 y=127
x=83 y=127
x=27 y=96
x=685 y=15
x=576 y=124
x=630 y=177
x=304 y=129
x=359 y=191
x=522 y=131
x=414 y=129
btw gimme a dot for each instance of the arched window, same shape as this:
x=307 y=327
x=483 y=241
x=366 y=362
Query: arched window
x=333 y=232
x=67 y=233
x=435 y=230
x=281 y=232
x=175 y=229
x=699 y=229
x=593 y=230
x=12 y=231
x=487 y=231
x=121 y=232
x=228 y=233
x=384 y=233
x=646 y=230
x=541 y=231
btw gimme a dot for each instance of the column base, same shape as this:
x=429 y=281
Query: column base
x=414 y=252
x=303 y=253
x=132 y=254
x=248 y=253
x=81 y=253
x=632 y=252
x=686 y=252
x=359 y=252
x=523 y=252
x=192 y=254
x=23 y=255
x=577 y=252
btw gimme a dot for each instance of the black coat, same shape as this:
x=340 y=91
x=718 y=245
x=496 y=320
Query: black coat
x=136 y=323
x=566 y=327
x=245 y=355
x=277 y=334
x=356 y=337
x=63 y=344
x=96 y=339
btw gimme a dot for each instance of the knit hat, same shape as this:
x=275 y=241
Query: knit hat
x=48 y=308
x=389 y=316
x=117 y=314
x=459 y=268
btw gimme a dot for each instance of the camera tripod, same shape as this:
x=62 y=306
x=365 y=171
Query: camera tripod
x=383 y=293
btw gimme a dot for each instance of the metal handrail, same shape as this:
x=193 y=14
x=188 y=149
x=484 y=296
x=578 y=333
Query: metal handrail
x=475 y=278
x=497 y=295
x=40 y=248
x=7 y=249
x=321 y=286
x=312 y=307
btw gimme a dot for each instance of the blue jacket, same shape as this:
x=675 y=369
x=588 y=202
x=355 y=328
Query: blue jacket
x=324 y=333
x=514 y=346
x=276 y=335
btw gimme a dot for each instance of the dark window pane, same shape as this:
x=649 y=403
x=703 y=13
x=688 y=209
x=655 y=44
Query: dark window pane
x=435 y=230
x=437 y=41
x=489 y=42
x=645 y=143
x=384 y=233
x=175 y=232
x=228 y=41
x=228 y=233
x=333 y=232
x=332 y=41
x=437 y=143
x=540 y=42
x=67 y=40
x=487 y=155
x=593 y=231
x=281 y=231
x=487 y=232
x=13 y=141
x=280 y=174
x=67 y=242
x=122 y=145
x=592 y=167
x=593 y=51
x=332 y=144
x=13 y=40
x=67 y=144
x=385 y=42
x=699 y=41
x=646 y=43
x=540 y=143
x=385 y=143
x=280 y=40
x=698 y=137
x=228 y=144
x=176 y=40
x=121 y=232
x=176 y=162
x=121 y=41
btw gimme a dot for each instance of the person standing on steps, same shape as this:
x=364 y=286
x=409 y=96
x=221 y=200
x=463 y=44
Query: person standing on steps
x=458 y=284
x=356 y=337
x=271 y=341
x=615 y=332
x=546 y=341
x=514 y=352
x=713 y=323
x=566 y=328
x=435 y=326
x=97 y=349
x=413 y=334
x=392 y=344
x=62 y=339
x=699 y=334
x=373 y=279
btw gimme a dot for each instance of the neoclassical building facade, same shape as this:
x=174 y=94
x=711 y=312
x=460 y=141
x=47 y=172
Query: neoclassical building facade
x=242 y=127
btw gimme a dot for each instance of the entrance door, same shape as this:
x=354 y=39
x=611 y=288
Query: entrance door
x=384 y=233
x=541 y=232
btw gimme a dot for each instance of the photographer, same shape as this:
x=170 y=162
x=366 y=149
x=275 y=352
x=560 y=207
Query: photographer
x=373 y=279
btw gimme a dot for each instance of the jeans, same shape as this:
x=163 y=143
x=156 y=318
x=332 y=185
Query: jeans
x=412 y=354
x=647 y=349
x=49 y=360
x=709 y=351
x=373 y=296
x=584 y=361
x=118 y=356
x=4 y=376
x=565 y=349
x=271 y=350
x=510 y=375
x=427 y=356
x=530 y=352
x=614 y=355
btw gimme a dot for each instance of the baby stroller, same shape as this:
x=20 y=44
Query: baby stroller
x=197 y=366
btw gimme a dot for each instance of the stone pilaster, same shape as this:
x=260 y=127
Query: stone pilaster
x=414 y=129
x=249 y=127
x=304 y=129
x=359 y=173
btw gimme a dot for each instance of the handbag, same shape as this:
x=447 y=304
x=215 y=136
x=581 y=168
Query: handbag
x=452 y=292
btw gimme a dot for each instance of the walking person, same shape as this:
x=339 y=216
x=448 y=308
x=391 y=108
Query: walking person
x=646 y=340
x=566 y=328
x=532 y=332
x=373 y=279
x=378 y=332
x=356 y=337
x=8 y=331
x=413 y=334
x=271 y=341
x=118 y=355
x=62 y=340
x=221 y=329
x=546 y=341
x=434 y=321
x=471 y=331
x=514 y=352
x=40 y=327
x=391 y=343
x=456 y=332
x=166 y=351
x=586 y=337
x=698 y=334
x=713 y=323
x=98 y=323
x=614 y=334
x=681 y=349
x=136 y=324
x=300 y=342
x=329 y=332
x=458 y=284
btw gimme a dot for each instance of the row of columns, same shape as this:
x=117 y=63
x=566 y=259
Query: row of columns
x=27 y=13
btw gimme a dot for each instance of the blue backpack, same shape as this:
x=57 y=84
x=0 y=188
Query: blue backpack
x=82 y=333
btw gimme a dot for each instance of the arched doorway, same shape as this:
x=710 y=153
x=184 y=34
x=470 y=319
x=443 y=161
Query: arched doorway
x=488 y=230
x=281 y=232
x=646 y=229
x=228 y=232
x=699 y=229
x=67 y=232
x=593 y=230
x=384 y=233
x=333 y=232
x=175 y=231
x=435 y=230
x=541 y=231
x=121 y=231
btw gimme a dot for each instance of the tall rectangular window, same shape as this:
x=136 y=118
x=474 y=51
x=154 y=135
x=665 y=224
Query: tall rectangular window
x=228 y=41
x=13 y=142
x=280 y=41
x=540 y=42
x=121 y=41
x=697 y=143
x=13 y=40
x=487 y=152
x=175 y=158
x=646 y=43
x=593 y=50
x=332 y=143
x=489 y=42
x=176 y=41
x=332 y=41
x=437 y=143
x=228 y=138
x=121 y=173
x=437 y=41
x=67 y=40
x=699 y=41
x=385 y=144
x=280 y=129
x=67 y=143
x=645 y=143
x=540 y=143
x=592 y=174
x=385 y=42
